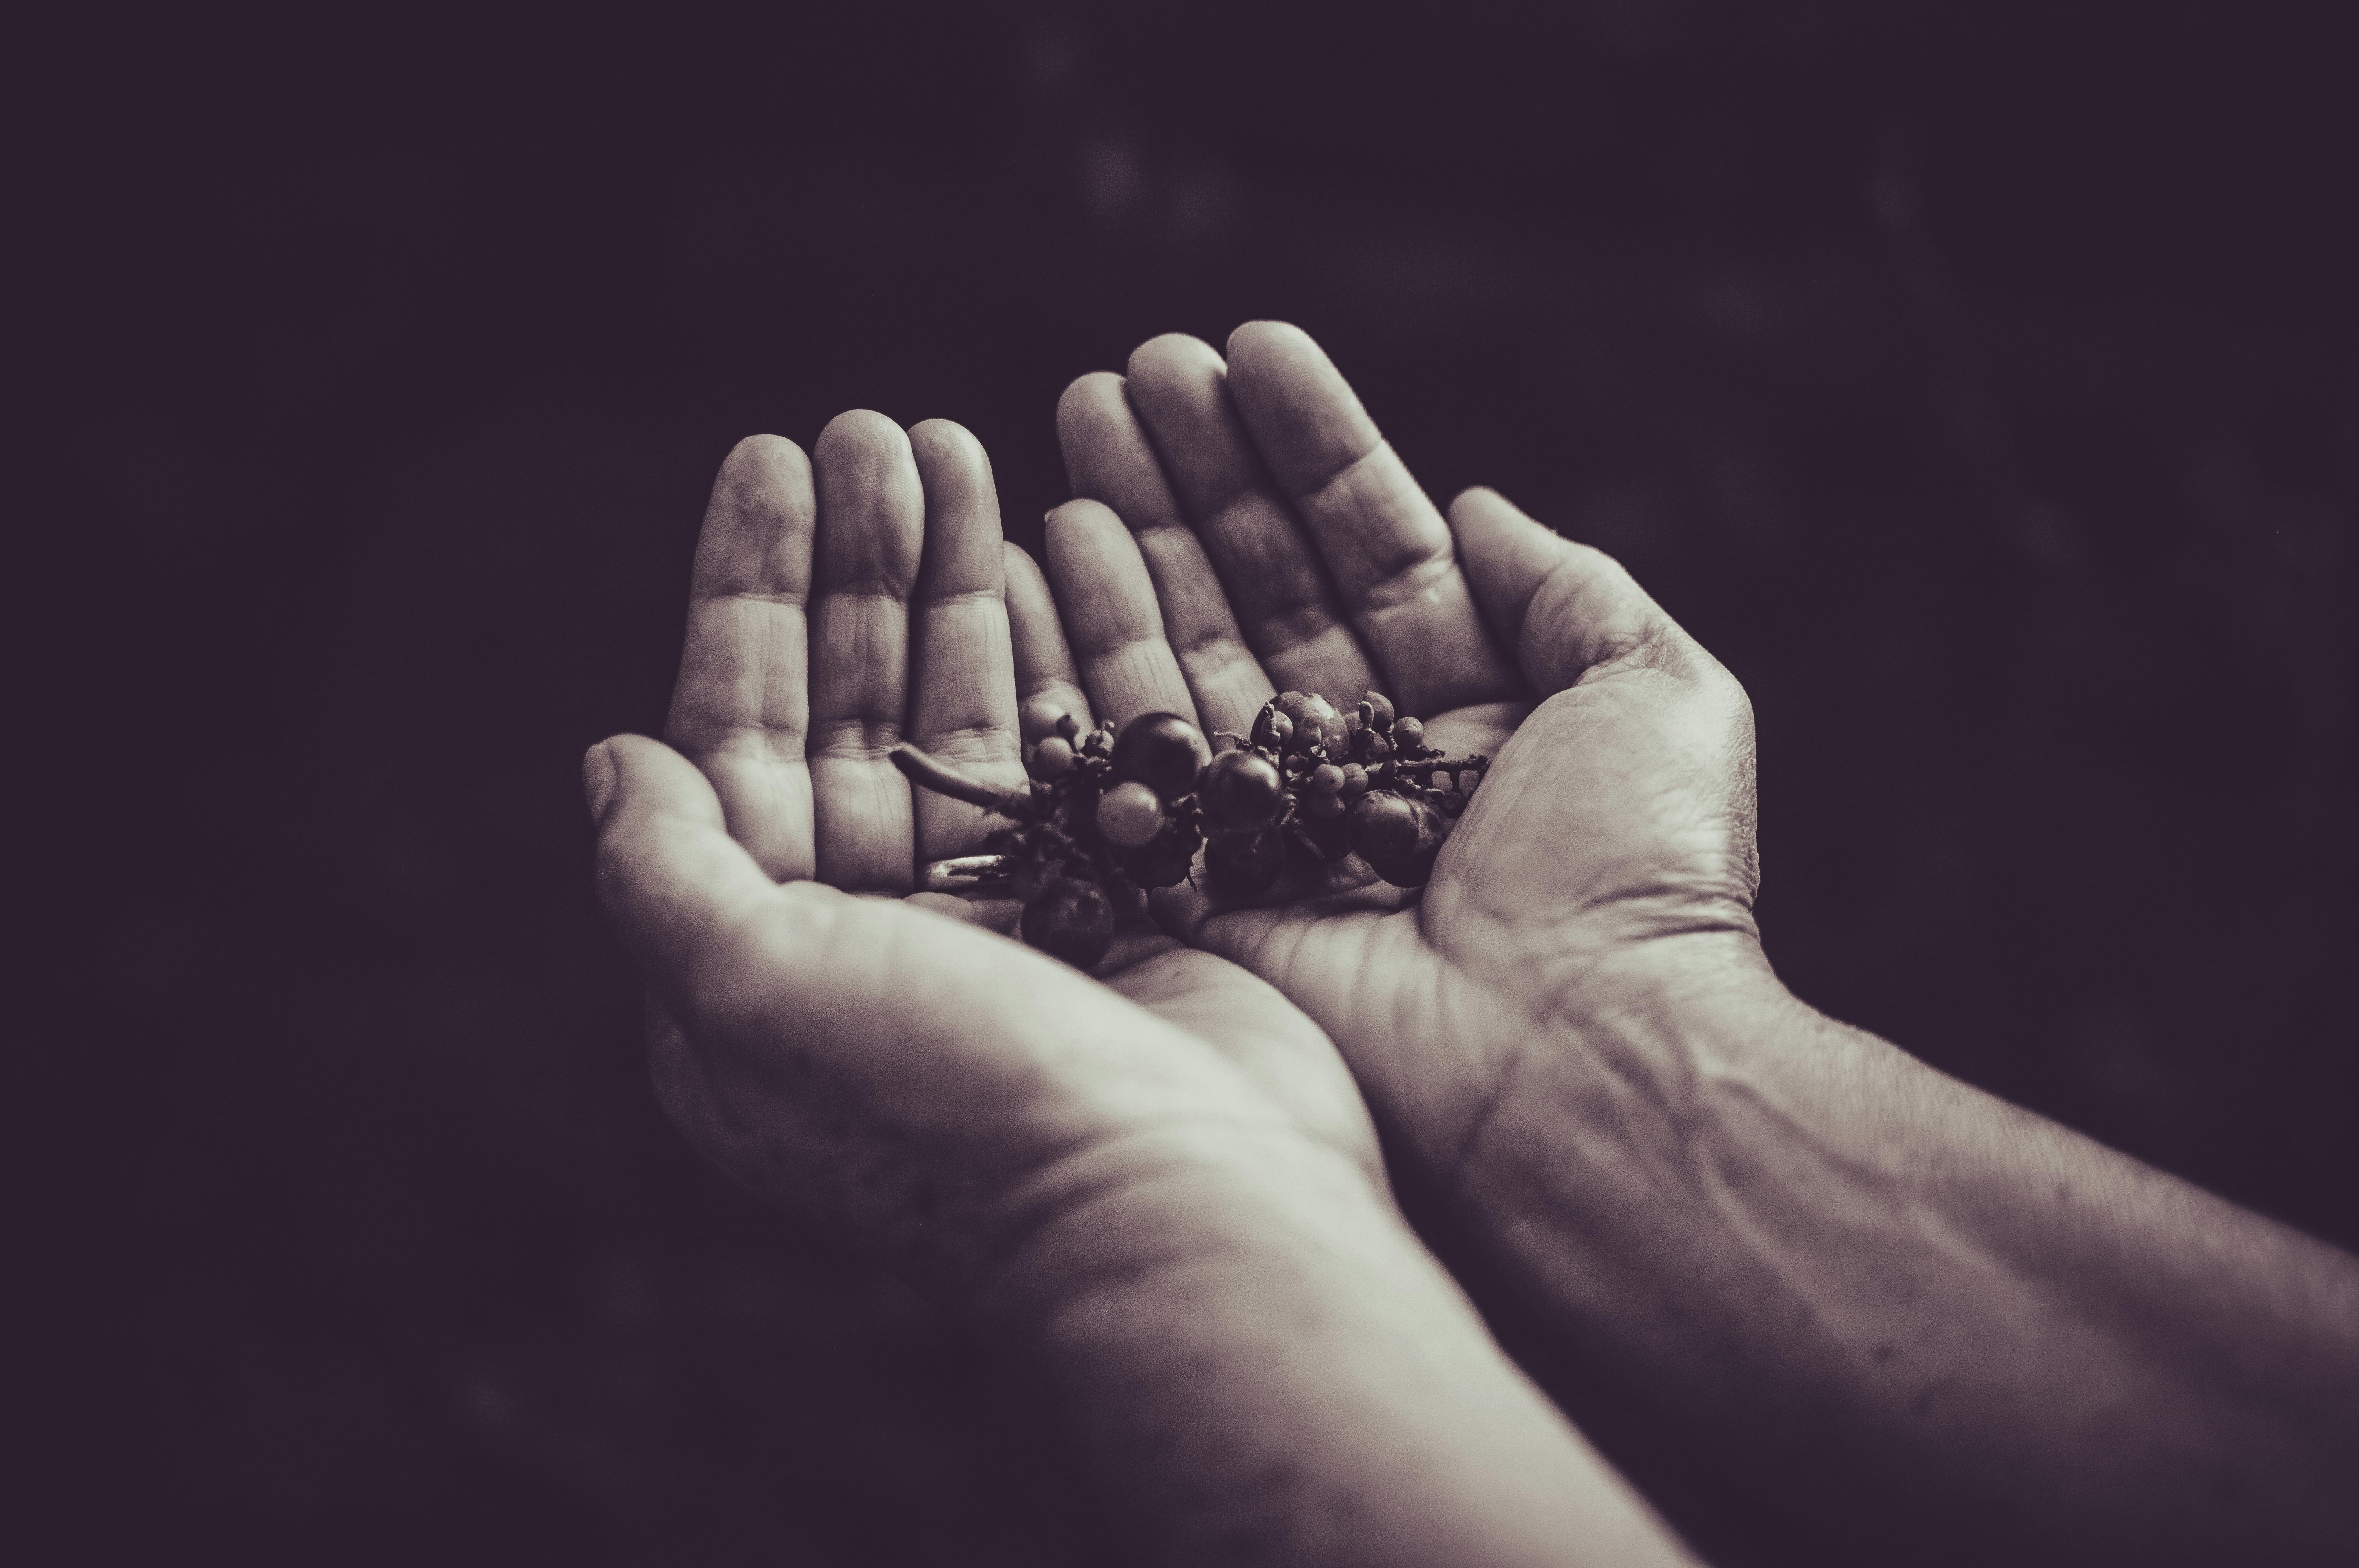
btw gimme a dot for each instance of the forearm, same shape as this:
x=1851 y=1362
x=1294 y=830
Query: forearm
x=1262 y=1365
x=1886 y=1296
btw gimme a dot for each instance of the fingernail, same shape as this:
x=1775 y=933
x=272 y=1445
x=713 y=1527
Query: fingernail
x=598 y=777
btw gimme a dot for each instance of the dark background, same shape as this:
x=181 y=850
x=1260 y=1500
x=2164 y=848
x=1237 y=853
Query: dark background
x=1977 y=382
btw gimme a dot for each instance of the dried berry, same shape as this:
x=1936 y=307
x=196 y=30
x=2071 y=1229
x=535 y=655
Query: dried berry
x=1273 y=729
x=1110 y=813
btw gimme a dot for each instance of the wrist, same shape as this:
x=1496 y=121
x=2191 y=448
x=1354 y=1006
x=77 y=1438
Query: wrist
x=1258 y=1360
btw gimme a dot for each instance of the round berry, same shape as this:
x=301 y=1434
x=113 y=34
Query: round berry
x=1039 y=718
x=1242 y=789
x=1051 y=758
x=1316 y=722
x=1413 y=866
x=1322 y=806
x=1382 y=706
x=1161 y=751
x=1073 y=920
x=1272 y=729
x=1409 y=734
x=1375 y=746
x=1384 y=827
x=1355 y=780
x=1325 y=779
x=1130 y=814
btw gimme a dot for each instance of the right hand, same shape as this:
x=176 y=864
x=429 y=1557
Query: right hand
x=1611 y=845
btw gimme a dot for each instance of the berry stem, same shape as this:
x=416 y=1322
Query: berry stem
x=930 y=772
x=970 y=873
x=1454 y=763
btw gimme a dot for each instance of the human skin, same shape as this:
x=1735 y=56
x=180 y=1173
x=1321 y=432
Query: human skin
x=1916 y=1323
x=1159 y=1188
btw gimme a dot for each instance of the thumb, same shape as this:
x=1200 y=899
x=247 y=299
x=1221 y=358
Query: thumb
x=1563 y=608
x=682 y=895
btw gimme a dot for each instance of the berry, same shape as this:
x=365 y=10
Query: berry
x=1381 y=706
x=1272 y=729
x=1039 y=718
x=1246 y=868
x=1373 y=746
x=1130 y=814
x=1383 y=826
x=1355 y=780
x=1414 y=867
x=1051 y=758
x=1073 y=920
x=1161 y=751
x=1316 y=722
x=1325 y=779
x=1242 y=789
x=1409 y=734
x=1324 y=805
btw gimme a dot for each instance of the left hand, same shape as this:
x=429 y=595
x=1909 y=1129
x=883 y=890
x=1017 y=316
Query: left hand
x=886 y=1063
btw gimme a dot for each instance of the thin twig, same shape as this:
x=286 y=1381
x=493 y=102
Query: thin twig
x=970 y=873
x=931 y=772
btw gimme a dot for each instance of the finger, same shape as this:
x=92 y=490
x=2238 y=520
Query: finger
x=680 y=892
x=1563 y=609
x=1108 y=459
x=1044 y=664
x=741 y=708
x=871 y=533
x=962 y=702
x=1289 y=610
x=1107 y=603
x=1387 y=549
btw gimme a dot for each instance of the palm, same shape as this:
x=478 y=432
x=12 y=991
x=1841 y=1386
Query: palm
x=1289 y=548
x=843 y=604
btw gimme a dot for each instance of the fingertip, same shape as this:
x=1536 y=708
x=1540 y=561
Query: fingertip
x=938 y=441
x=1086 y=399
x=1175 y=356
x=598 y=781
x=862 y=441
x=1305 y=417
x=1257 y=341
x=1072 y=522
x=764 y=455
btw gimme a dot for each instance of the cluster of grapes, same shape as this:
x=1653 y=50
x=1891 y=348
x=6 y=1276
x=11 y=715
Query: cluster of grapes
x=1108 y=814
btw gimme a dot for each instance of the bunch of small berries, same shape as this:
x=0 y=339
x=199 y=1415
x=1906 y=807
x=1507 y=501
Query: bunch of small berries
x=1108 y=814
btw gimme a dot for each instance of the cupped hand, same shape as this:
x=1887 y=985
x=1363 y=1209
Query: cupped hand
x=1610 y=847
x=876 y=1059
